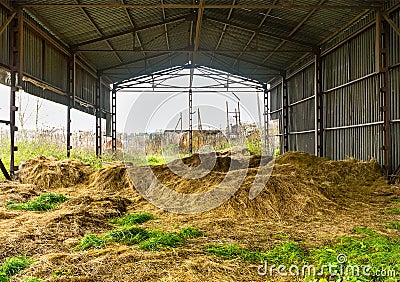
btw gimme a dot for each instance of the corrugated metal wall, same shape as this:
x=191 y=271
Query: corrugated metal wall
x=352 y=118
x=4 y=48
x=301 y=111
x=45 y=69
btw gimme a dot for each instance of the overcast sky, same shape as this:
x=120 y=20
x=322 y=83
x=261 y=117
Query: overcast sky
x=142 y=112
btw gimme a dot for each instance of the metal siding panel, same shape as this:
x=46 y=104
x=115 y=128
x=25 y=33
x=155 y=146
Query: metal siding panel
x=55 y=68
x=336 y=68
x=362 y=54
x=4 y=38
x=394 y=53
x=33 y=54
x=302 y=142
x=395 y=93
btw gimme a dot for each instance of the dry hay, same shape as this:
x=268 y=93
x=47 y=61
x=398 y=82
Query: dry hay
x=307 y=198
x=52 y=173
x=300 y=184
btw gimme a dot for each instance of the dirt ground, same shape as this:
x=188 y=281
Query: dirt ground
x=307 y=199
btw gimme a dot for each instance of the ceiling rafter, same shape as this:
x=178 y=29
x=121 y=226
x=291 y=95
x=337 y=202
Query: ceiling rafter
x=264 y=33
x=166 y=30
x=255 y=32
x=195 y=6
x=294 y=30
x=187 y=50
x=133 y=25
x=136 y=61
x=259 y=65
x=91 y=21
x=137 y=29
x=225 y=26
x=196 y=41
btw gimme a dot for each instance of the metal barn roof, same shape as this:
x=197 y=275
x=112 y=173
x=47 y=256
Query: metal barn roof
x=256 y=39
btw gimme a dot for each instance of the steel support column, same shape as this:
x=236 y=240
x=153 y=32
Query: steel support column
x=98 y=117
x=285 y=115
x=319 y=129
x=114 y=118
x=71 y=93
x=382 y=45
x=16 y=53
x=190 y=121
x=266 y=121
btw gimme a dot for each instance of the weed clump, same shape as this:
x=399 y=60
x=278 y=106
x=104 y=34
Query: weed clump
x=44 y=202
x=132 y=219
x=151 y=240
x=13 y=265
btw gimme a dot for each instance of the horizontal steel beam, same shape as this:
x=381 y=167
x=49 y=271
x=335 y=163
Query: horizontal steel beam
x=134 y=61
x=132 y=30
x=191 y=51
x=193 y=6
x=264 y=33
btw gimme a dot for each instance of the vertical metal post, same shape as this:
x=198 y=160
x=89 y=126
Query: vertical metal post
x=382 y=28
x=228 y=129
x=285 y=115
x=16 y=53
x=190 y=121
x=319 y=147
x=71 y=93
x=181 y=119
x=266 y=120
x=114 y=118
x=98 y=116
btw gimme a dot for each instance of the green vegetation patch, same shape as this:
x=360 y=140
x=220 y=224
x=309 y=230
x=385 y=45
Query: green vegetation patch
x=44 y=202
x=13 y=265
x=365 y=248
x=146 y=239
x=392 y=211
x=32 y=279
x=284 y=253
x=132 y=219
x=393 y=225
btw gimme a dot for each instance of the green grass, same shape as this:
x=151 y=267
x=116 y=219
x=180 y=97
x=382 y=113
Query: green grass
x=13 y=265
x=62 y=272
x=44 y=202
x=131 y=235
x=155 y=160
x=392 y=211
x=371 y=248
x=365 y=247
x=132 y=219
x=91 y=241
x=393 y=225
x=3 y=277
x=284 y=253
x=32 y=279
x=190 y=232
x=152 y=240
x=160 y=239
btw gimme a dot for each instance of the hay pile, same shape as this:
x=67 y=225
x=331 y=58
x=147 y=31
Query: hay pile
x=306 y=198
x=52 y=173
x=300 y=184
